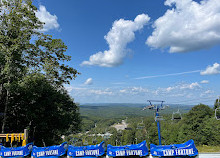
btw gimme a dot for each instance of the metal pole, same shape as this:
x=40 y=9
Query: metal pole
x=158 y=127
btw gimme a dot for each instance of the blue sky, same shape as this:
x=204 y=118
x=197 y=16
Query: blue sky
x=130 y=51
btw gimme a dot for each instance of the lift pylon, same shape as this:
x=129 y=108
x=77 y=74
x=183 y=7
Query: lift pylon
x=158 y=118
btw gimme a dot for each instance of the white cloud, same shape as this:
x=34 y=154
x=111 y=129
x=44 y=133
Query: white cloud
x=177 y=88
x=134 y=90
x=187 y=26
x=89 y=81
x=211 y=70
x=50 y=20
x=89 y=92
x=180 y=91
x=123 y=91
x=190 y=86
x=101 y=92
x=139 y=94
x=209 y=92
x=170 y=89
x=121 y=33
x=204 y=82
x=139 y=90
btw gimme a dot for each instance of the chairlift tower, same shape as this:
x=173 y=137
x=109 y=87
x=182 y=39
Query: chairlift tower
x=158 y=118
x=217 y=111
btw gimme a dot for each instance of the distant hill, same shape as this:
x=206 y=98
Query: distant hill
x=118 y=110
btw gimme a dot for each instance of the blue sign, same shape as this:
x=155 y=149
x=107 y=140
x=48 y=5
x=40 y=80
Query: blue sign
x=185 y=149
x=86 y=151
x=128 y=150
x=51 y=151
x=16 y=151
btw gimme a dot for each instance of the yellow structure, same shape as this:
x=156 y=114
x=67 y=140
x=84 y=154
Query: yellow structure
x=16 y=137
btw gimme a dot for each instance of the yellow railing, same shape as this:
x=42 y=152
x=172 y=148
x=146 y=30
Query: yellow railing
x=16 y=137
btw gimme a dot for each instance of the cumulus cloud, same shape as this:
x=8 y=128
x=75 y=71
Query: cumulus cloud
x=207 y=93
x=101 y=92
x=211 y=70
x=121 y=33
x=178 y=88
x=170 y=89
x=204 y=82
x=181 y=90
x=193 y=85
x=187 y=26
x=134 y=90
x=50 y=20
x=135 y=94
x=123 y=91
x=89 y=81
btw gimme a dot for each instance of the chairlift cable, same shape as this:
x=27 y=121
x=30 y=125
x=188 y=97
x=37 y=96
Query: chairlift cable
x=184 y=101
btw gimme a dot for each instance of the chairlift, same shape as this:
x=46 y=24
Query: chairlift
x=149 y=107
x=217 y=113
x=141 y=125
x=156 y=106
x=159 y=118
x=164 y=107
x=176 y=115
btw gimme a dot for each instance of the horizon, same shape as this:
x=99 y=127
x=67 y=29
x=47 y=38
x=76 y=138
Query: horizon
x=144 y=104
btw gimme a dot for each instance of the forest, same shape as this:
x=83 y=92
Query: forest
x=197 y=122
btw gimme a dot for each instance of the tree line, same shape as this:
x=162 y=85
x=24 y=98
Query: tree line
x=198 y=124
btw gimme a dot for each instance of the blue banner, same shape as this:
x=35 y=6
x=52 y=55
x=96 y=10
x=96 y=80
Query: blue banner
x=86 y=151
x=16 y=151
x=51 y=151
x=128 y=150
x=185 y=149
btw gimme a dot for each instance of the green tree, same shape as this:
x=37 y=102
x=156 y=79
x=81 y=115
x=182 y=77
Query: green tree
x=24 y=50
x=153 y=134
x=193 y=122
x=210 y=132
x=46 y=111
